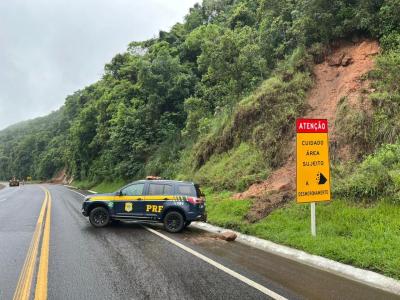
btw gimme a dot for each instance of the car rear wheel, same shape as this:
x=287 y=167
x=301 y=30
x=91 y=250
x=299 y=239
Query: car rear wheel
x=99 y=217
x=174 y=222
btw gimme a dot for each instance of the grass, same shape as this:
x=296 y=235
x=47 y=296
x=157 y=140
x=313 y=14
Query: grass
x=103 y=187
x=376 y=177
x=82 y=184
x=233 y=170
x=224 y=211
x=366 y=237
x=108 y=187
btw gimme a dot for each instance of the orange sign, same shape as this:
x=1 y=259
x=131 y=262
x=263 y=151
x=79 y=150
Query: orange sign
x=312 y=159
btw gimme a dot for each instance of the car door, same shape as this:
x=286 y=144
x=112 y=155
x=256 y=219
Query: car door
x=129 y=201
x=156 y=196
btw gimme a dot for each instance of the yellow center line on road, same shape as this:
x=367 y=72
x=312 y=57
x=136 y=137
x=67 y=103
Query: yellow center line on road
x=41 y=284
x=23 y=289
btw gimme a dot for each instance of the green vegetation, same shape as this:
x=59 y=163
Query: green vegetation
x=235 y=71
x=224 y=211
x=108 y=187
x=214 y=100
x=233 y=170
x=364 y=236
x=33 y=146
x=263 y=119
x=103 y=187
x=376 y=178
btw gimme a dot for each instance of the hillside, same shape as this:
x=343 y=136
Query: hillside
x=337 y=80
x=215 y=98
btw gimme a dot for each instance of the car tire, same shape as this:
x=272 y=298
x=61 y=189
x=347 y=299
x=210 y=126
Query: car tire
x=174 y=222
x=99 y=217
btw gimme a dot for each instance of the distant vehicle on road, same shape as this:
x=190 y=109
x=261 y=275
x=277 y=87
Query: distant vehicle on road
x=174 y=203
x=14 y=182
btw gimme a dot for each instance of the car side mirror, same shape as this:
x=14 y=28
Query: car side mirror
x=119 y=193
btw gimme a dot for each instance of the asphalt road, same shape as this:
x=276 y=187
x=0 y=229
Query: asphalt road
x=58 y=255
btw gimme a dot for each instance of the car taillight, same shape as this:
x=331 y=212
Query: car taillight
x=195 y=200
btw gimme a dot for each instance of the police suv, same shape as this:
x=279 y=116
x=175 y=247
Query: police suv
x=174 y=203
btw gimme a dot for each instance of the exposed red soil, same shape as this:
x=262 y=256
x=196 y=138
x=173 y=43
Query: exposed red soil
x=60 y=178
x=337 y=77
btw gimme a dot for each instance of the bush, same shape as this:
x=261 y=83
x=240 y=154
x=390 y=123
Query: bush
x=375 y=178
x=391 y=42
x=265 y=117
x=233 y=170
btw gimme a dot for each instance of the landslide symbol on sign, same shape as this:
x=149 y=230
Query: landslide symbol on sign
x=128 y=207
x=321 y=178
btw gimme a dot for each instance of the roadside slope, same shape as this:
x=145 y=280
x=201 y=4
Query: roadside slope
x=339 y=77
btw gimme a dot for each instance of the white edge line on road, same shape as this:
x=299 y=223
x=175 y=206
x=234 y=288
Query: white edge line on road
x=234 y=274
x=369 y=278
x=366 y=277
x=211 y=262
x=72 y=188
x=84 y=196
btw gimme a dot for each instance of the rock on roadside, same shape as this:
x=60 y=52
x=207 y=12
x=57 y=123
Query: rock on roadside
x=228 y=236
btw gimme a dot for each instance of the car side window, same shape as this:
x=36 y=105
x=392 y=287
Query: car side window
x=160 y=189
x=133 y=190
x=168 y=189
x=186 y=190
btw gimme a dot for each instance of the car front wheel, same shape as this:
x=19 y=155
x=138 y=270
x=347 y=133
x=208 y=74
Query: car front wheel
x=174 y=222
x=99 y=217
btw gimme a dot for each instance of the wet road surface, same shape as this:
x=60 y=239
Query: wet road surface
x=127 y=261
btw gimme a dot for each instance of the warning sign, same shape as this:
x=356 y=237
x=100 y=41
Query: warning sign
x=312 y=171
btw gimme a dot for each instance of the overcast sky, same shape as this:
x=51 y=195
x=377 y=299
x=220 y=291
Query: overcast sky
x=51 y=48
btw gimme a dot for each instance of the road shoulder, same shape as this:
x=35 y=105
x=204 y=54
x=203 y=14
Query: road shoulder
x=363 y=276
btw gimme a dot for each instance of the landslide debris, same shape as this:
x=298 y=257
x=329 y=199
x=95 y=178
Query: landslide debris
x=61 y=178
x=338 y=77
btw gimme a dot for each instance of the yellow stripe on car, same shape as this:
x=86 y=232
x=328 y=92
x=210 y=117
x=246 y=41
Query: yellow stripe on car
x=132 y=198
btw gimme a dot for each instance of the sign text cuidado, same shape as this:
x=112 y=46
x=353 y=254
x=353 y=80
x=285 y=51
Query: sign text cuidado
x=312 y=159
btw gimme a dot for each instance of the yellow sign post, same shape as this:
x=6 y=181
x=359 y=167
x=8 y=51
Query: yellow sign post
x=312 y=164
